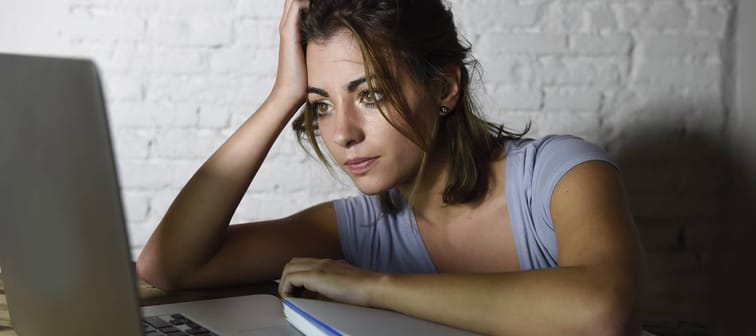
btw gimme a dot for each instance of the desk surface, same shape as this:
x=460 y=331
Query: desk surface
x=149 y=295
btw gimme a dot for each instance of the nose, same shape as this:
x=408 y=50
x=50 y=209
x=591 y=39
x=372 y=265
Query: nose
x=347 y=130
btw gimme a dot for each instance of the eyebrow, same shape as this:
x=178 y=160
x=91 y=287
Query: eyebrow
x=351 y=87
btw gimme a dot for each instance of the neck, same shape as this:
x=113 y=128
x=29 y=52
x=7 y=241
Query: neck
x=427 y=200
x=429 y=191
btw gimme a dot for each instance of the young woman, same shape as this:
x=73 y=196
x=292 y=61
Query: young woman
x=459 y=222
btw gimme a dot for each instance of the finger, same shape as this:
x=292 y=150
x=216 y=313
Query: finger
x=293 y=266
x=297 y=280
x=291 y=12
x=308 y=266
x=286 y=13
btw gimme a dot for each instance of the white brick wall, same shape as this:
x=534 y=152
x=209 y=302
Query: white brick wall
x=644 y=78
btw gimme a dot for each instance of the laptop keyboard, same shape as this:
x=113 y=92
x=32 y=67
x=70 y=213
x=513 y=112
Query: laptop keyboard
x=173 y=325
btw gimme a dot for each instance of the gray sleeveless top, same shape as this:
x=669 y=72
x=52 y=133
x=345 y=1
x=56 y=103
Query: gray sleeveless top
x=374 y=240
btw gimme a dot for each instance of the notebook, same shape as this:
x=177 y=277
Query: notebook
x=64 y=251
x=324 y=318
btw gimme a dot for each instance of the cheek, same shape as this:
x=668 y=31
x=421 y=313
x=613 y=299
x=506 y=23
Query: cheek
x=406 y=152
x=335 y=150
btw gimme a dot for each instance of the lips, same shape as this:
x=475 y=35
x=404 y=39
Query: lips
x=359 y=166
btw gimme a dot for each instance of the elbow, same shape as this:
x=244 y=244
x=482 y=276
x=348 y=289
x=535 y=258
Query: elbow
x=612 y=315
x=150 y=270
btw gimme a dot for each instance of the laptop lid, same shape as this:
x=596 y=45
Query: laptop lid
x=64 y=252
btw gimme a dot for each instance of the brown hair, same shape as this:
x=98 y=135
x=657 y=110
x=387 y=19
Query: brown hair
x=420 y=38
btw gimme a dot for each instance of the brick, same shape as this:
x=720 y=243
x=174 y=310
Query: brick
x=258 y=207
x=203 y=88
x=260 y=9
x=674 y=206
x=213 y=116
x=252 y=90
x=161 y=199
x=602 y=72
x=101 y=52
x=629 y=14
x=186 y=144
x=698 y=237
x=156 y=175
x=562 y=17
x=275 y=176
x=177 y=61
x=123 y=87
x=677 y=74
x=514 y=121
x=153 y=115
x=599 y=18
x=639 y=142
x=666 y=15
x=654 y=131
x=245 y=60
x=131 y=145
x=585 y=125
x=681 y=292
x=136 y=206
x=672 y=178
x=572 y=100
x=137 y=7
x=660 y=238
x=110 y=27
x=656 y=16
x=138 y=234
x=196 y=31
x=498 y=13
x=256 y=33
x=123 y=57
x=677 y=264
x=516 y=98
x=616 y=44
x=287 y=147
x=240 y=113
x=675 y=46
x=323 y=186
x=183 y=8
x=508 y=69
x=525 y=43
x=712 y=19
x=707 y=118
x=136 y=59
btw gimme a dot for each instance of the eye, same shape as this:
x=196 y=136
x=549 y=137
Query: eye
x=321 y=109
x=370 y=98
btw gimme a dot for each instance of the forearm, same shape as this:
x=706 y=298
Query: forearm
x=200 y=214
x=560 y=301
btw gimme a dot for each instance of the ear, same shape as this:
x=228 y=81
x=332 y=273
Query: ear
x=450 y=86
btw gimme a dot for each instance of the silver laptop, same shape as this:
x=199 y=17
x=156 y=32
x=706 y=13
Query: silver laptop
x=64 y=252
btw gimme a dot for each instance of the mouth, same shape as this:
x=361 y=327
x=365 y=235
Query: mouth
x=360 y=166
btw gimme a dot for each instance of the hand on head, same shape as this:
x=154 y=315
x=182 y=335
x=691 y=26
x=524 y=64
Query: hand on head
x=291 y=75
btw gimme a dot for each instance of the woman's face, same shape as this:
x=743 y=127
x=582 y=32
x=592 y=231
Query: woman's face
x=373 y=153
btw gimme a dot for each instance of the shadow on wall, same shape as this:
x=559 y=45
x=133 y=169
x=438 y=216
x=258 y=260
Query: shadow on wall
x=734 y=268
x=678 y=174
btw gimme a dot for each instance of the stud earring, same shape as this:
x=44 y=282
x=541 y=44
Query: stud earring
x=444 y=111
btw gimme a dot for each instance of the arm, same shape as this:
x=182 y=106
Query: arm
x=194 y=245
x=594 y=291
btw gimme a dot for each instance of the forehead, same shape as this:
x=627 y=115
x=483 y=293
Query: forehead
x=334 y=61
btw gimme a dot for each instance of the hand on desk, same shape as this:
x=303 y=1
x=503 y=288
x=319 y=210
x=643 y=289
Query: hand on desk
x=333 y=279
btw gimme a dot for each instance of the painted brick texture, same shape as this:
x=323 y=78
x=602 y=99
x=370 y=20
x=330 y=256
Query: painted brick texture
x=645 y=79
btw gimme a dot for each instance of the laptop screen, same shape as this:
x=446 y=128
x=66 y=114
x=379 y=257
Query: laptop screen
x=63 y=245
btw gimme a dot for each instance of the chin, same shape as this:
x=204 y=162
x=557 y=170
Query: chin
x=371 y=186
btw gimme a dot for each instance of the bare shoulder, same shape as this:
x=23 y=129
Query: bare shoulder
x=592 y=216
